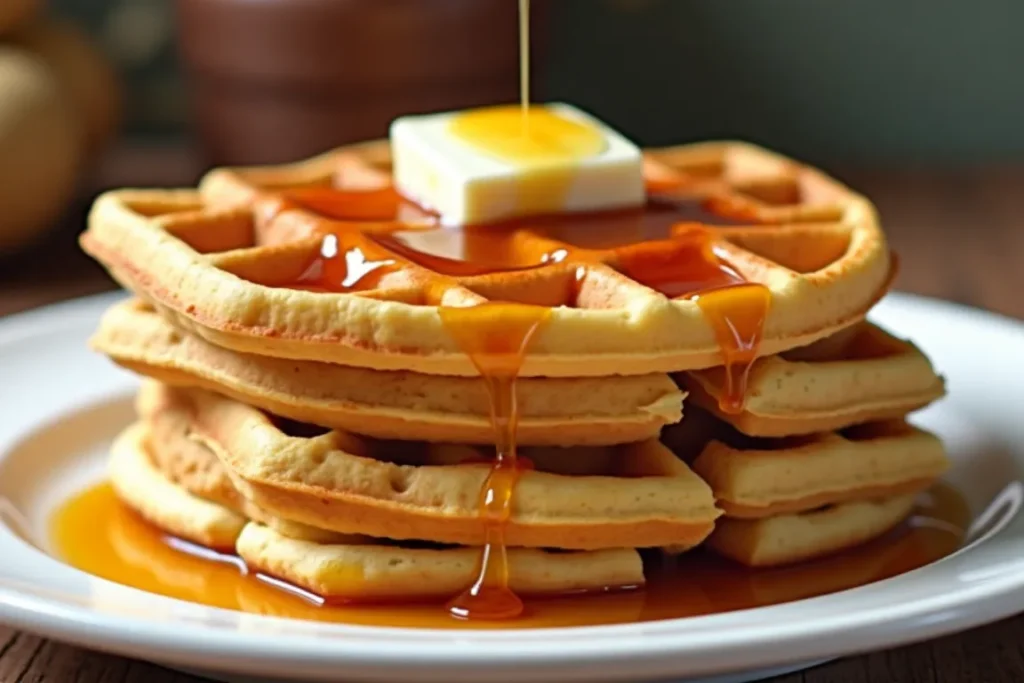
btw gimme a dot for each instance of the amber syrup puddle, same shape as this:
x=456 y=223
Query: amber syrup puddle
x=98 y=534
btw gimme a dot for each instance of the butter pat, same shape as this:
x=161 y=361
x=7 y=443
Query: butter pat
x=491 y=165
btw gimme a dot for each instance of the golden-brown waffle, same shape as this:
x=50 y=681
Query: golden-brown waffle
x=184 y=461
x=795 y=498
x=636 y=495
x=388 y=572
x=391 y=404
x=167 y=506
x=347 y=568
x=755 y=478
x=223 y=261
x=861 y=374
x=789 y=538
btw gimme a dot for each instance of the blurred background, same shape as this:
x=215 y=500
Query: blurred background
x=920 y=105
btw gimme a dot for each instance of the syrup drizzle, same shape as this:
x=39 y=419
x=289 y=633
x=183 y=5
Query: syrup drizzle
x=736 y=309
x=681 y=264
x=737 y=314
x=524 y=63
x=495 y=336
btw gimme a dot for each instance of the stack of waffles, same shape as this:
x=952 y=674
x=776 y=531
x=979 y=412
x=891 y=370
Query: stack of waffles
x=368 y=406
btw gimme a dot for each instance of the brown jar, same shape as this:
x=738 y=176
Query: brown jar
x=277 y=80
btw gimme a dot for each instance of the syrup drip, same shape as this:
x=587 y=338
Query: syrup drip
x=683 y=266
x=688 y=267
x=737 y=314
x=94 y=532
x=495 y=336
x=524 y=63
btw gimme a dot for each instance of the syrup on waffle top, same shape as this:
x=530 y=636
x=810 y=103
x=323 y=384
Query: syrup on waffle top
x=730 y=253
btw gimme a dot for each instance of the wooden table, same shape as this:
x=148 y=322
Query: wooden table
x=960 y=236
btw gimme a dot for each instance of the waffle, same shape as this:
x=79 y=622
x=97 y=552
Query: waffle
x=799 y=497
x=162 y=503
x=790 y=538
x=347 y=568
x=632 y=496
x=227 y=261
x=383 y=572
x=185 y=462
x=391 y=404
x=861 y=374
x=764 y=478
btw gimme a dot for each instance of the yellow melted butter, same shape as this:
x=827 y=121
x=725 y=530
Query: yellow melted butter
x=546 y=149
x=541 y=137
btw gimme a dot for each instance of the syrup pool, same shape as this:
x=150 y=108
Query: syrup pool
x=96 y=533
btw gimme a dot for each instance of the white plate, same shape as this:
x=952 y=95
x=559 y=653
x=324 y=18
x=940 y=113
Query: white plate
x=60 y=404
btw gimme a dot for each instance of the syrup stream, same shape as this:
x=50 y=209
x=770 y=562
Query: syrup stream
x=495 y=336
x=524 y=63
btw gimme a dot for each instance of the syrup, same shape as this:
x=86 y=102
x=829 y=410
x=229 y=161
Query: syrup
x=663 y=217
x=688 y=267
x=524 y=63
x=545 y=146
x=96 y=533
x=368 y=207
x=516 y=245
x=377 y=205
x=495 y=336
x=655 y=246
x=464 y=252
x=737 y=314
x=347 y=262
